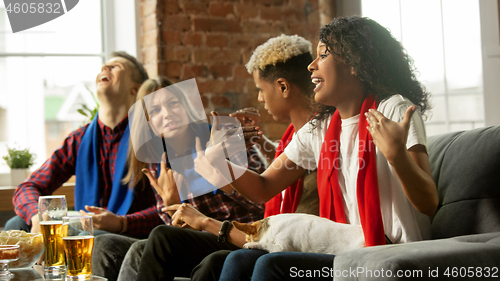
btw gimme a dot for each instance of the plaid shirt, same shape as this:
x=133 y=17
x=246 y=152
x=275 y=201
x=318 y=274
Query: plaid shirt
x=142 y=216
x=222 y=206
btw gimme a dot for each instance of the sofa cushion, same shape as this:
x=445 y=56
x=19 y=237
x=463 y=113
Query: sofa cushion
x=466 y=169
x=443 y=259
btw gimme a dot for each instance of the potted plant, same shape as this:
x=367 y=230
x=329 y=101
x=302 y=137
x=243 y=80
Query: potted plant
x=88 y=112
x=19 y=161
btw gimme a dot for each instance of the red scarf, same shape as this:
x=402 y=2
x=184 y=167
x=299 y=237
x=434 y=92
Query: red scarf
x=293 y=192
x=331 y=201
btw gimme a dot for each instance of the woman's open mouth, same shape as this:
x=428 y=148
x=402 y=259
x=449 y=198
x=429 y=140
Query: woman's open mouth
x=171 y=126
x=318 y=82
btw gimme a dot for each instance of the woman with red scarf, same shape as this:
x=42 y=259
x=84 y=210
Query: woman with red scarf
x=367 y=142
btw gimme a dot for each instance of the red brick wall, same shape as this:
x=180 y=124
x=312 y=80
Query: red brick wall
x=212 y=40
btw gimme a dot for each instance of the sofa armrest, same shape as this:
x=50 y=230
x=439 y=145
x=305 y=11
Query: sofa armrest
x=440 y=259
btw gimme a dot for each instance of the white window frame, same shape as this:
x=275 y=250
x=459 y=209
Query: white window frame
x=121 y=31
x=490 y=41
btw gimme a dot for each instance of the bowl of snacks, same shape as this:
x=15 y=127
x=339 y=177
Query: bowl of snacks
x=30 y=246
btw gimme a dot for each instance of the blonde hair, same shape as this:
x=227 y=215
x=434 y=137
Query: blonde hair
x=276 y=50
x=134 y=174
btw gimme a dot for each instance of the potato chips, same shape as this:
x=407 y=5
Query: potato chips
x=31 y=246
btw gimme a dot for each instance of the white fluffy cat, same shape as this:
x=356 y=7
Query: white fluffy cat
x=301 y=233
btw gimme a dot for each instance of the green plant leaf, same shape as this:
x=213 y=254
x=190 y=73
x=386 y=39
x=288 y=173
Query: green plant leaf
x=19 y=158
x=82 y=112
x=91 y=112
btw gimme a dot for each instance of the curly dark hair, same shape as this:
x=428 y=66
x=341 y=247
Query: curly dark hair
x=380 y=61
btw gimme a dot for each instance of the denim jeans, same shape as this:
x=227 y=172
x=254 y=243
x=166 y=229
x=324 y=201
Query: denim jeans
x=250 y=264
x=174 y=252
x=17 y=223
x=210 y=267
x=131 y=262
x=109 y=254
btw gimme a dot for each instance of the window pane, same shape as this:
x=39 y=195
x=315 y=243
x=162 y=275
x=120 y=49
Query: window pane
x=435 y=129
x=77 y=32
x=437 y=116
x=385 y=12
x=461 y=126
x=41 y=113
x=466 y=108
x=462 y=44
x=422 y=38
x=443 y=38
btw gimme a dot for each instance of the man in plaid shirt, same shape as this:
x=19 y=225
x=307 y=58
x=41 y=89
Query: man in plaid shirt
x=116 y=86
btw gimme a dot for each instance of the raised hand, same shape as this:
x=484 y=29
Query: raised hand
x=203 y=167
x=216 y=134
x=251 y=133
x=165 y=185
x=390 y=137
x=247 y=116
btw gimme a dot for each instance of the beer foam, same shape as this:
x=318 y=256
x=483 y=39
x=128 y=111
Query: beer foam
x=78 y=237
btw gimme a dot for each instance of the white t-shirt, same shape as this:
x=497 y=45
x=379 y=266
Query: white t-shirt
x=402 y=223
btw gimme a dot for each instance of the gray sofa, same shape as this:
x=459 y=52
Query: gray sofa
x=465 y=241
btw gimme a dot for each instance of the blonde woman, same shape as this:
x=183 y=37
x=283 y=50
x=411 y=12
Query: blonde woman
x=169 y=113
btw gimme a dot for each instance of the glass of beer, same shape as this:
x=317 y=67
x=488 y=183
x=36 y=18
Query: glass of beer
x=51 y=210
x=78 y=237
